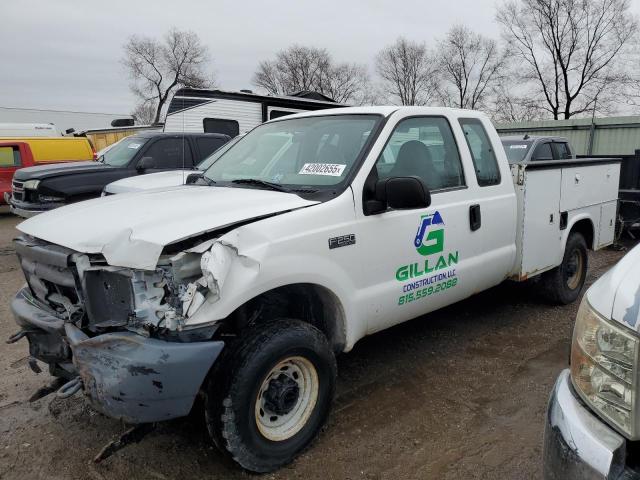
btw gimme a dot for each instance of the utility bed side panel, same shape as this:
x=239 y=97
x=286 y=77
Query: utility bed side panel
x=585 y=185
x=541 y=236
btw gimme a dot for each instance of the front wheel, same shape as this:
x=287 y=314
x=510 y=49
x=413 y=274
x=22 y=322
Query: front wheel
x=564 y=283
x=271 y=394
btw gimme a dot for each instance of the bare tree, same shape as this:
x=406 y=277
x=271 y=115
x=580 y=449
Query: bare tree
x=571 y=51
x=159 y=67
x=408 y=72
x=301 y=68
x=144 y=113
x=506 y=105
x=470 y=66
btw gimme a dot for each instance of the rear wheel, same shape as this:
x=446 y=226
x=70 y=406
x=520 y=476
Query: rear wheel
x=271 y=394
x=564 y=283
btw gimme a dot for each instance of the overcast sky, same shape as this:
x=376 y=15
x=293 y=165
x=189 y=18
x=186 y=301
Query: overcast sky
x=65 y=54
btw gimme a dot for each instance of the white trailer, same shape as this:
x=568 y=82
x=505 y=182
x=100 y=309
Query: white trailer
x=234 y=113
x=63 y=120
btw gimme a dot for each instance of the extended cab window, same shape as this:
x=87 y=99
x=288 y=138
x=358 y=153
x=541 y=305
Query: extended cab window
x=482 y=154
x=170 y=153
x=424 y=147
x=542 y=152
x=10 y=157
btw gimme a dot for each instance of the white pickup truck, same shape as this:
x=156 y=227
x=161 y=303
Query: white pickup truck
x=244 y=285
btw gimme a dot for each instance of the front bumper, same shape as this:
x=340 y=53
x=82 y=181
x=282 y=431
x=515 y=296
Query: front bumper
x=577 y=444
x=28 y=209
x=125 y=375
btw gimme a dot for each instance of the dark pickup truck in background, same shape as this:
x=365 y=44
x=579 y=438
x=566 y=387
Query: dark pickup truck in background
x=41 y=188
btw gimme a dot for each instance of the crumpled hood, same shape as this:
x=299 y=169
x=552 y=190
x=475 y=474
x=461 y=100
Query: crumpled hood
x=138 y=183
x=616 y=294
x=131 y=229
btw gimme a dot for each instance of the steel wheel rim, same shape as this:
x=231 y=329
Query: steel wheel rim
x=277 y=425
x=577 y=264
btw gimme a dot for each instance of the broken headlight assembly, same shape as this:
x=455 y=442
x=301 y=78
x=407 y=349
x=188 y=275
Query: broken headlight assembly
x=604 y=369
x=159 y=300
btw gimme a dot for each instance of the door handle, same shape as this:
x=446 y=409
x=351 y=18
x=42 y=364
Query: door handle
x=475 y=218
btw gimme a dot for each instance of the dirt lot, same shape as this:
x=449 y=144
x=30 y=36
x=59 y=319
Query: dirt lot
x=458 y=394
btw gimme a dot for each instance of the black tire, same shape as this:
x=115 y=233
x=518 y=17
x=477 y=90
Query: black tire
x=564 y=283
x=240 y=377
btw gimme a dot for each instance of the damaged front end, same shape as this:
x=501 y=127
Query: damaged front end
x=122 y=334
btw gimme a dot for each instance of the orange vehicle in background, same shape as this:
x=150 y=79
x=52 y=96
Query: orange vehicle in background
x=18 y=153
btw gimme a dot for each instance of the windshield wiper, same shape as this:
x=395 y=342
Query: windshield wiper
x=259 y=183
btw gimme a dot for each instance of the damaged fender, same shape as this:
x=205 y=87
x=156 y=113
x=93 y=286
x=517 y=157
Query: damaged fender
x=138 y=379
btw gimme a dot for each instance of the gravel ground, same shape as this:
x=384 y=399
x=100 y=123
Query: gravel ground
x=460 y=393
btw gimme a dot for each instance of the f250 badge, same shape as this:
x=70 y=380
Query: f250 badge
x=342 y=241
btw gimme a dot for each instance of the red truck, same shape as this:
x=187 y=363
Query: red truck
x=13 y=155
x=29 y=152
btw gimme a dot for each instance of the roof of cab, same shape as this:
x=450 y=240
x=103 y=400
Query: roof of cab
x=385 y=111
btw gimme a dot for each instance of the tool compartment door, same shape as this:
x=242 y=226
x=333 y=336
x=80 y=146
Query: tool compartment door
x=585 y=185
x=541 y=236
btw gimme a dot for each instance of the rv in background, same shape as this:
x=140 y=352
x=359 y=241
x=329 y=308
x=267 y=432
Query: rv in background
x=234 y=113
x=28 y=130
x=65 y=121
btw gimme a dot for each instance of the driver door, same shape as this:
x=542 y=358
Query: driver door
x=417 y=260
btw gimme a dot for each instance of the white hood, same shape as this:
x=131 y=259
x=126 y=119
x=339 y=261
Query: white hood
x=131 y=229
x=138 y=183
x=616 y=294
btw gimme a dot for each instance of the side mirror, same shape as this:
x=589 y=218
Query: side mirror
x=398 y=193
x=404 y=193
x=193 y=178
x=146 y=163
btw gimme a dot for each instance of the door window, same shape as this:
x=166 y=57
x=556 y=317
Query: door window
x=10 y=157
x=208 y=145
x=542 y=152
x=170 y=153
x=423 y=147
x=221 y=125
x=562 y=151
x=484 y=158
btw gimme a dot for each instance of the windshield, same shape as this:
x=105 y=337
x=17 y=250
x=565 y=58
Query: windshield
x=300 y=152
x=207 y=162
x=122 y=152
x=516 y=150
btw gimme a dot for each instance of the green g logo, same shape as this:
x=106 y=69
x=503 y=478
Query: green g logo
x=434 y=240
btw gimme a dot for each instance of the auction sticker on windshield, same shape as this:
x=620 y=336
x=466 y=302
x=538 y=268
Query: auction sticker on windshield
x=332 y=169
